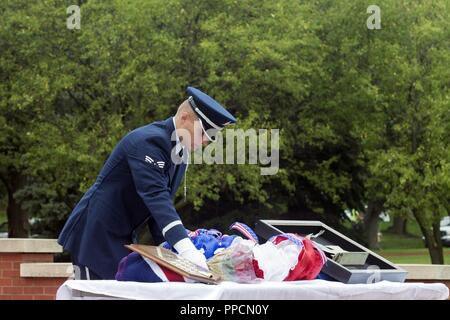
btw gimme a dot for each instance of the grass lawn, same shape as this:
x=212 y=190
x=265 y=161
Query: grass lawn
x=3 y=212
x=406 y=249
x=419 y=256
x=2 y=220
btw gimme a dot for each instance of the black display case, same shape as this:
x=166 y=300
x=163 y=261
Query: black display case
x=369 y=267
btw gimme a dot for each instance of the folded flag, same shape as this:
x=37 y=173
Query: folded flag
x=134 y=267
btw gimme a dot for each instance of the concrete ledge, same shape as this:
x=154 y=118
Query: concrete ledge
x=46 y=270
x=30 y=246
x=426 y=271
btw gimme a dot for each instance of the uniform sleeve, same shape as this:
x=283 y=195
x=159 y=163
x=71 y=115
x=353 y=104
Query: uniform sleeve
x=148 y=164
x=155 y=231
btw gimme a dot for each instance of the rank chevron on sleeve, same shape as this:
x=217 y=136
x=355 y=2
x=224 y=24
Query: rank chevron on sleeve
x=156 y=163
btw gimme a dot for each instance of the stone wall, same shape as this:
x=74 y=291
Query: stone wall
x=27 y=271
x=427 y=273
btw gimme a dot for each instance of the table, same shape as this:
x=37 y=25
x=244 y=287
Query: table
x=295 y=290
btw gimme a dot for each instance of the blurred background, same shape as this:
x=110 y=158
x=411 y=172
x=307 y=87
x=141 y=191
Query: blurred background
x=363 y=113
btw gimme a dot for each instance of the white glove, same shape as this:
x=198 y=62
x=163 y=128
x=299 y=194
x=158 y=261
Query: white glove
x=187 y=250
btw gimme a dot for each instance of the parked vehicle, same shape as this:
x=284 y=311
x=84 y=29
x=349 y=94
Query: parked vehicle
x=445 y=232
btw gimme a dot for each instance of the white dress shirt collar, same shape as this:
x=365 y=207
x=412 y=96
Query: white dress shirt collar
x=178 y=145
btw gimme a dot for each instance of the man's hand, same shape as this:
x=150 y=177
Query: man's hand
x=196 y=257
x=187 y=250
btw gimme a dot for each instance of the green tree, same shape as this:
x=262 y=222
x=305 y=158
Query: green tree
x=408 y=152
x=363 y=113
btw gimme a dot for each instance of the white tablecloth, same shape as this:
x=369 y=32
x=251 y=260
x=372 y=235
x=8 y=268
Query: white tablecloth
x=298 y=290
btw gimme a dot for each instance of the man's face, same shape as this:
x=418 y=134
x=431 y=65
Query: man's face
x=193 y=135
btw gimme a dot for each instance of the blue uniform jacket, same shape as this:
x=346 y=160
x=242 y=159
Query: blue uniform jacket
x=136 y=185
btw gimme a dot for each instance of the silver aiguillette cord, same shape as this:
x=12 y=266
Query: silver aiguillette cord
x=185 y=177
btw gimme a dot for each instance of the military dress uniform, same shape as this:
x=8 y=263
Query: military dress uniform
x=136 y=185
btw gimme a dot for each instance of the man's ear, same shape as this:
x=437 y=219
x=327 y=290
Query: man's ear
x=184 y=116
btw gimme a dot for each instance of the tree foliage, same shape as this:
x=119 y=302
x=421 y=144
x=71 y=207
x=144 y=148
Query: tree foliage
x=363 y=113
